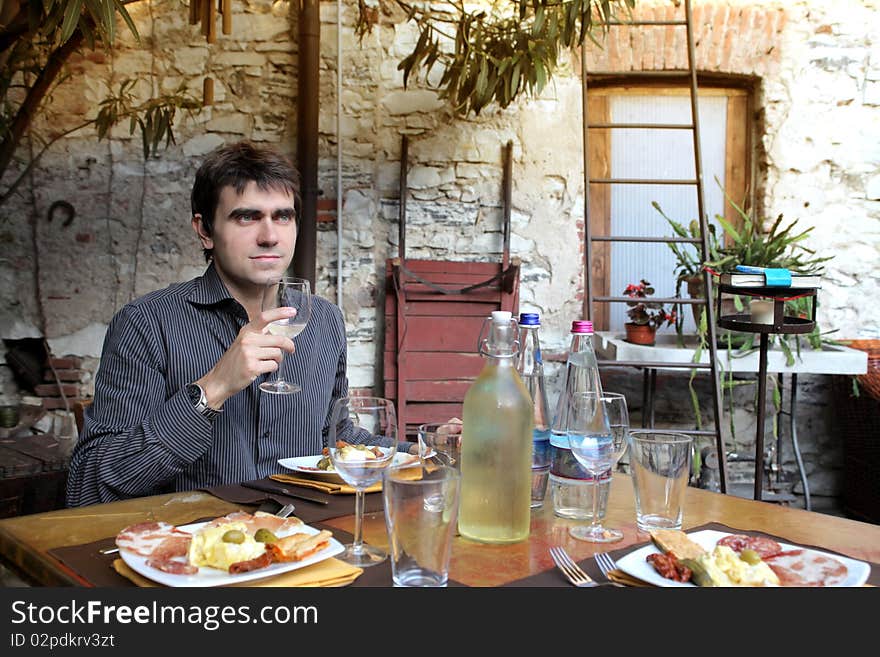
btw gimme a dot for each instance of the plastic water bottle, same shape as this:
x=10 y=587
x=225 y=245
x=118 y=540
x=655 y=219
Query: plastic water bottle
x=531 y=368
x=496 y=442
x=571 y=486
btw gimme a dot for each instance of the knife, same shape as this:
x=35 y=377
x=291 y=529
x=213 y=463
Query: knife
x=266 y=488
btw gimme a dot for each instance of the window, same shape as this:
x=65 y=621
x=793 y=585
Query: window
x=626 y=209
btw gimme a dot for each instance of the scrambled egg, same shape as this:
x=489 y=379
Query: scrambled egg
x=208 y=548
x=727 y=569
x=347 y=453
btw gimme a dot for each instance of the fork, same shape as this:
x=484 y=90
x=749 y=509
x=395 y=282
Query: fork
x=605 y=562
x=570 y=569
x=283 y=512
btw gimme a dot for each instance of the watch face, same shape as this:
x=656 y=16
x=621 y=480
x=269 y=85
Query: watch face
x=194 y=392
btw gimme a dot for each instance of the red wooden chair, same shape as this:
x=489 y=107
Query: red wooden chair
x=434 y=310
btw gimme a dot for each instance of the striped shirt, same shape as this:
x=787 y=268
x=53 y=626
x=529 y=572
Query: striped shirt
x=142 y=434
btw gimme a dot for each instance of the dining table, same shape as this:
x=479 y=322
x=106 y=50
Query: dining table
x=34 y=546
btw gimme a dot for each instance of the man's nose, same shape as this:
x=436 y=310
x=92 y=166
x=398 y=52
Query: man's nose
x=268 y=233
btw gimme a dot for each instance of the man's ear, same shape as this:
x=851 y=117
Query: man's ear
x=199 y=228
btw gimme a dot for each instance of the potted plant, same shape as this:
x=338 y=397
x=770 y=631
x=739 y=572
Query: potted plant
x=745 y=244
x=689 y=267
x=645 y=316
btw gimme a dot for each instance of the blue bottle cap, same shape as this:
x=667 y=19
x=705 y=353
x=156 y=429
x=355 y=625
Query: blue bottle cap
x=529 y=319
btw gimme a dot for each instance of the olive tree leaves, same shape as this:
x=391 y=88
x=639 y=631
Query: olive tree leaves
x=154 y=117
x=37 y=38
x=497 y=52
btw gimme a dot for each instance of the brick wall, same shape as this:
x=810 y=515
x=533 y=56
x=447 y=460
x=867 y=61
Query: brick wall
x=72 y=388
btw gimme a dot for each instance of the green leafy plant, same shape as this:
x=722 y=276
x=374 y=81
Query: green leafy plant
x=37 y=38
x=496 y=51
x=777 y=247
x=747 y=244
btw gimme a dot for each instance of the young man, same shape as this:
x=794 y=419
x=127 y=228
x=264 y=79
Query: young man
x=177 y=401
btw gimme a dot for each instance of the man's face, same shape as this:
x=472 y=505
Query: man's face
x=253 y=237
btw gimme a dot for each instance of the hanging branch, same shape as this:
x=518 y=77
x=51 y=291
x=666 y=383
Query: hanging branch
x=495 y=54
x=37 y=37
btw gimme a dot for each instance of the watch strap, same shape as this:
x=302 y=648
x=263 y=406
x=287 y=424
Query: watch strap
x=200 y=401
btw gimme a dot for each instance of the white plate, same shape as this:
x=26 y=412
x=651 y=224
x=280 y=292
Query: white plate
x=634 y=563
x=307 y=465
x=208 y=576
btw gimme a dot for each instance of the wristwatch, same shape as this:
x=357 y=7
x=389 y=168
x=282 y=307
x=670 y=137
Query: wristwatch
x=200 y=401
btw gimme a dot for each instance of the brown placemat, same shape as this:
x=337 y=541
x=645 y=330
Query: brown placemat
x=97 y=568
x=308 y=512
x=554 y=578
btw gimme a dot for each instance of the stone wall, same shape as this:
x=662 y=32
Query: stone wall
x=817 y=67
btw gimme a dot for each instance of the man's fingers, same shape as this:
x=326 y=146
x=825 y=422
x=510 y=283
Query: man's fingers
x=261 y=321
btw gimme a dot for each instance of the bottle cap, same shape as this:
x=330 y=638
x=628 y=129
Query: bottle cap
x=501 y=316
x=529 y=319
x=581 y=326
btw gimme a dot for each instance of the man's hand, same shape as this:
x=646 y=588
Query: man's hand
x=254 y=352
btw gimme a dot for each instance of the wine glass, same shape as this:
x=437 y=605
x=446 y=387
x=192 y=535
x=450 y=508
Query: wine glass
x=293 y=292
x=597 y=436
x=372 y=422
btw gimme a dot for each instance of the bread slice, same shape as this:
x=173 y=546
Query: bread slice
x=675 y=542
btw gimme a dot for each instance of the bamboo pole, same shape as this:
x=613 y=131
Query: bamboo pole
x=195 y=11
x=204 y=12
x=208 y=92
x=226 y=10
x=212 y=21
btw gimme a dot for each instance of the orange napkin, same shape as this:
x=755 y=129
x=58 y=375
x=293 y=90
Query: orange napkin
x=330 y=572
x=324 y=486
x=620 y=577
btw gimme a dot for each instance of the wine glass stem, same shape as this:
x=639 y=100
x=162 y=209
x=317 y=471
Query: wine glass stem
x=358 y=519
x=278 y=378
x=594 y=522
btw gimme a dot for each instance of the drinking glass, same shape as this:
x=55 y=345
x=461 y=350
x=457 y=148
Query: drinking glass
x=293 y=292
x=598 y=427
x=371 y=421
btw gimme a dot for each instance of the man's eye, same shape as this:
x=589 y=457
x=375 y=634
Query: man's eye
x=284 y=218
x=246 y=218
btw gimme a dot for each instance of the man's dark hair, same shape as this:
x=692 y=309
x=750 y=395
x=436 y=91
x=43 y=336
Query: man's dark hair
x=235 y=166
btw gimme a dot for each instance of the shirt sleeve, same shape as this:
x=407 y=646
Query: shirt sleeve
x=138 y=435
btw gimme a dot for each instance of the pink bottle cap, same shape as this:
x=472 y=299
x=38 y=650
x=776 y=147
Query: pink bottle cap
x=581 y=326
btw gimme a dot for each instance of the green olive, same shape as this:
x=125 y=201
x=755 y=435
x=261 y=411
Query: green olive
x=233 y=536
x=263 y=535
x=750 y=556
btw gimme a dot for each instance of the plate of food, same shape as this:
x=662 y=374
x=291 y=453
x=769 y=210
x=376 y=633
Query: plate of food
x=715 y=558
x=239 y=547
x=319 y=466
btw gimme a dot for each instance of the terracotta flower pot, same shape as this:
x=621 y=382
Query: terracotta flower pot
x=640 y=334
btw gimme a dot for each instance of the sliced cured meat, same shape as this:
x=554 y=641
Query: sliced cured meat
x=259 y=520
x=145 y=537
x=171 y=555
x=256 y=563
x=807 y=568
x=668 y=566
x=174 y=565
x=765 y=547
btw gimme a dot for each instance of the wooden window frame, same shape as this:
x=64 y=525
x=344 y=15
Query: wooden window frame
x=739 y=174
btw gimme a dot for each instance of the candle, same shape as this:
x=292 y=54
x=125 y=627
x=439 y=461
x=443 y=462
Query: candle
x=761 y=310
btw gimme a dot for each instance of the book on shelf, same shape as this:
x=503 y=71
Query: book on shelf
x=746 y=276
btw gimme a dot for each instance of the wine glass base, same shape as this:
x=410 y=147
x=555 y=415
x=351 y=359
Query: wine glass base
x=597 y=534
x=280 y=387
x=362 y=556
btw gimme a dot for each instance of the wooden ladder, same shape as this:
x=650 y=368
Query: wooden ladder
x=689 y=76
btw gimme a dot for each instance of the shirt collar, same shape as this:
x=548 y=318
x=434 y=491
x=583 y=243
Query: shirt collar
x=210 y=290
